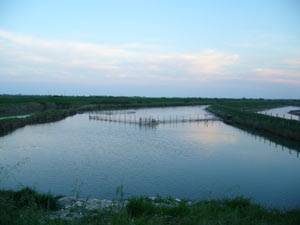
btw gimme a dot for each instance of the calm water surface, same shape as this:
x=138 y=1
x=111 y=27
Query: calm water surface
x=187 y=160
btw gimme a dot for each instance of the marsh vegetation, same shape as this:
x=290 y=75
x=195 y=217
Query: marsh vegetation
x=46 y=109
x=29 y=207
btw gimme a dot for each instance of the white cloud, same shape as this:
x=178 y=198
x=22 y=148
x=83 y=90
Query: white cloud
x=271 y=72
x=293 y=62
x=31 y=58
x=279 y=75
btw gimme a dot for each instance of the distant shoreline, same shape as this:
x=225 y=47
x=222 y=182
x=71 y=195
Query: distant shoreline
x=295 y=112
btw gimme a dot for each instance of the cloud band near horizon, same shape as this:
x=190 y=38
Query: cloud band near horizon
x=28 y=58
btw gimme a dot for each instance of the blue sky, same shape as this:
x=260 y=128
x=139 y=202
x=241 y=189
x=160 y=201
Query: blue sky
x=151 y=48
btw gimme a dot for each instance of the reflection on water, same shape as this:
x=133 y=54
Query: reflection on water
x=185 y=160
x=211 y=135
x=282 y=112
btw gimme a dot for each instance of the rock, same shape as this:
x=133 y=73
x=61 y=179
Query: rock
x=78 y=203
x=66 y=202
x=67 y=215
x=93 y=204
x=106 y=203
x=74 y=208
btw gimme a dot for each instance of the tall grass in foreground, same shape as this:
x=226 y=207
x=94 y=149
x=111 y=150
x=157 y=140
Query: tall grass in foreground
x=27 y=207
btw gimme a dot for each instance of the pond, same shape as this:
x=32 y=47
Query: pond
x=283 y=112
x=193 y=160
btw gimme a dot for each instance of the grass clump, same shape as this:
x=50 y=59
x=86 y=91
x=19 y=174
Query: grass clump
x=27 y=207
x=24 y=206
x=236 y=211
x=138 y=207
x=28 y=198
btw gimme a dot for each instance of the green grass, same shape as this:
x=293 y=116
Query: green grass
x=11 y=124
x=27 y=207
x=250 y=120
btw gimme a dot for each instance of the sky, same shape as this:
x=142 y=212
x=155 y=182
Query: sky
x=187 y=48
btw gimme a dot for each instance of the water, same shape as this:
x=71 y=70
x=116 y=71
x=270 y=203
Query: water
x=185 y=160
x=283 y=112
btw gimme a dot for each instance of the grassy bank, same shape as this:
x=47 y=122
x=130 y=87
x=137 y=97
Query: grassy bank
x=237 y=112
x=11 y=124
x=250 y=120
x=295 y=112
x=29 y=207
